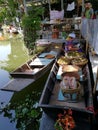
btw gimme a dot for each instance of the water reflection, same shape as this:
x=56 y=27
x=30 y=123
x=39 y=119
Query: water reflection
x=4 y=77
x=4 y=51
x=4 y=99
x=20 y=104
x=5 y=124
x=12 y=54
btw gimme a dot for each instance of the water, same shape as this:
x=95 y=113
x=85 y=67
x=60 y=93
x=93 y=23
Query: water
x=12 y=54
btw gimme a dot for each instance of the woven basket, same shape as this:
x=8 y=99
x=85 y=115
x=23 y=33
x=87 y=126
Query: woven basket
x=72 y=95
x=71 y=91
x=71 y=55
x=63 y=61
x=80 y=64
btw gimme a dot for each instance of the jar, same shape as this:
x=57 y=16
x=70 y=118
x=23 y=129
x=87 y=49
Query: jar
x=55 y=33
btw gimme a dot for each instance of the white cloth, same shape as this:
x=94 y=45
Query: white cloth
x=72 y=35
x=71 y=6
x=40 y=61
x=95 y=36
x=89 y=30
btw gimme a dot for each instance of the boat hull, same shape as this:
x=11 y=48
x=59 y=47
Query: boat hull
x=52 y=106
x=35 y=67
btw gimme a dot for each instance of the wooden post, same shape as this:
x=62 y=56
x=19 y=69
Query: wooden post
x=49 y=5
x=25 y=8
x=83 y=7
x=62 y=6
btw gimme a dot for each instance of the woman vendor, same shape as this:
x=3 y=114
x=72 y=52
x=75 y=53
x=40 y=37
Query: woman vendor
x=70 y=42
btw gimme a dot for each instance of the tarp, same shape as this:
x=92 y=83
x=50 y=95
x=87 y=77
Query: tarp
x=89 y=30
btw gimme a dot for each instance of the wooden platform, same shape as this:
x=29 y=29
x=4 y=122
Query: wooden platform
x=17 y=84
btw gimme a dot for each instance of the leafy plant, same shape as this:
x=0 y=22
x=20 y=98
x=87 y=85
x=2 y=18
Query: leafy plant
x=26 y=113
x=8 y=10
x=65 y=121
x=31 y=24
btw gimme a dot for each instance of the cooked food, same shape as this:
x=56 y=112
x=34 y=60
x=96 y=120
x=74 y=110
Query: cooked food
x=63 y=60
x=49 y=56
x=74 y=54
x=80 y=61
x=70 y=68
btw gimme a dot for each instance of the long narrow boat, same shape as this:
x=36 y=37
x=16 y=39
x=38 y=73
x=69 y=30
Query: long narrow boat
x=35 y=67
x=31 y=71
x=53 y=102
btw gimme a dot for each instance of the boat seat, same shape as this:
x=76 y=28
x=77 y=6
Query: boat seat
x=25 y=67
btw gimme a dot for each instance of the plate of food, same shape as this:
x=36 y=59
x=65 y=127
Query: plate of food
x=80 y=61
x=63 y=60
x=49 y=56
x=74 y=54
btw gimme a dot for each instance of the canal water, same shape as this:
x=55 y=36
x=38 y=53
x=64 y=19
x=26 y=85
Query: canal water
x=12 y=54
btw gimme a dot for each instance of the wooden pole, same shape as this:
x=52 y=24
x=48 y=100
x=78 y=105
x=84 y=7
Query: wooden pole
x=83 y=8
x=49 y=5
x=62 y=6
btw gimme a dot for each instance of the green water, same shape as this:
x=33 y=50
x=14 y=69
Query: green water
x=13 y=53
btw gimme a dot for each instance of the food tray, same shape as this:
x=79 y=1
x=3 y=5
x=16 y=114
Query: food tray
x=74 y=54
x=80 y=61
x=63 y=60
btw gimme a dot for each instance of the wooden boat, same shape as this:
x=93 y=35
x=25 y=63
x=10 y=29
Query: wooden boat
x=35 y=67
x=53 y=102
x=31 y=71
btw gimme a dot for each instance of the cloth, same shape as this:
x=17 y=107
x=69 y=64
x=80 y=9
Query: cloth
x=71 y=6
x=55 y=14
x=89 y=30
x=72 y=35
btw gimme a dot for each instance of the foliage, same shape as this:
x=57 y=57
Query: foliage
x=8 y=10
x=27 y=114
x=31 y=24
x=65 y=121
